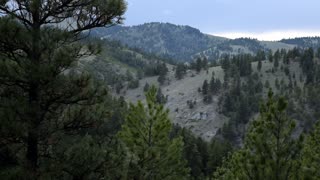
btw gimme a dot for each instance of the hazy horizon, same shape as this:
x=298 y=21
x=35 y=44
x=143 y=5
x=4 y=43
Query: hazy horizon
x=270 y=20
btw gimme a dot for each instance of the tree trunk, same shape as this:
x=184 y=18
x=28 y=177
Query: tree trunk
x=34 y=93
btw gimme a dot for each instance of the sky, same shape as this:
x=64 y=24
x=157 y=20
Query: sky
x=261 y=19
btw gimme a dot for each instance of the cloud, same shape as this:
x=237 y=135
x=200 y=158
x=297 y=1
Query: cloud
x=270 y=35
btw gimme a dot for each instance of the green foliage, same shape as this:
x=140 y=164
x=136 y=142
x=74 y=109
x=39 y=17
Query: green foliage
x=160 y=98
x=260 y=56
x=276 y=63
x=308 y=65
x=240 y=63
x=195 y=151
x=259 y=65
x=215 y=85
x=133 y=84
x=145 y=133
x=307 y=42
x=163 y=70
x=218 y=150
x=198 y=65
x=179 y=42
x=180 y=71
x=46 y=98
x=270 y=56
x=205 y=87
x=311 y=154
x=267 y=84
x=146 y=87
x=270 y=151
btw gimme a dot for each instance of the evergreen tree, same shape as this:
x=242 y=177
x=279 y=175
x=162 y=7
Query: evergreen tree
x=146 y=134
x=205 y=65
x=307 y=64
x=267 y=84
x=198 y=65
x=180 y=71
x=129 y=76
x=259 y=65
x=318 y=53
x=225 y=62
x=205 y=87
x=270 y=56
x=146 y=87
x=277 y=83
x=133 y=84
x=260 y=56
x=218 y=150
x=276 y=63
x=269 y=151
x=163 y=70
x=45 y=100
x=207 y=99
x=160 y=98
x=161 y=79
x=311 y=154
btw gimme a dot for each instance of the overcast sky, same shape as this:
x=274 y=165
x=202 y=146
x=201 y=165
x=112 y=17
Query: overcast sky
x=262 y=19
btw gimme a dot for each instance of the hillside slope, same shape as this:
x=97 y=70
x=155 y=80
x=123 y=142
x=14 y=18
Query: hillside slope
x=178 y=42
x=204 y=120
x=183 y=43
x=118 y=65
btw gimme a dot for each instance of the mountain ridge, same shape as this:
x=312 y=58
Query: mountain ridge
x=184 y=43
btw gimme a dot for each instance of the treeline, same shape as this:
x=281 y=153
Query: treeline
x=271 y=150
x=197 y=65
x=243 y=90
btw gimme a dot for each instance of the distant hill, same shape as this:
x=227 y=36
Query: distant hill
x=178 y=42
x=304 y=42
x=184 y=43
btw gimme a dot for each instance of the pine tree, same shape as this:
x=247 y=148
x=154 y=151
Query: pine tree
x=198 y=65
x=205 y=87
x=146 y=135
x=311 y=154
x=277 y=83
x=267 y=84
x=161 y=79
x=180 y=71
x=269 y=151
x=270 y=56
x=146 y=87
x=259 y=65
x=218 y=150
x=205 y=65
x=44 y=98
x=307 y=64
x=276 y=63
x=212 y=85
x=160 y=98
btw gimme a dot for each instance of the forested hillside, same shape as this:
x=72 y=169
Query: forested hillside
x=151 y=102
x=184 y=43
x=178 y=42
x=120 y=66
